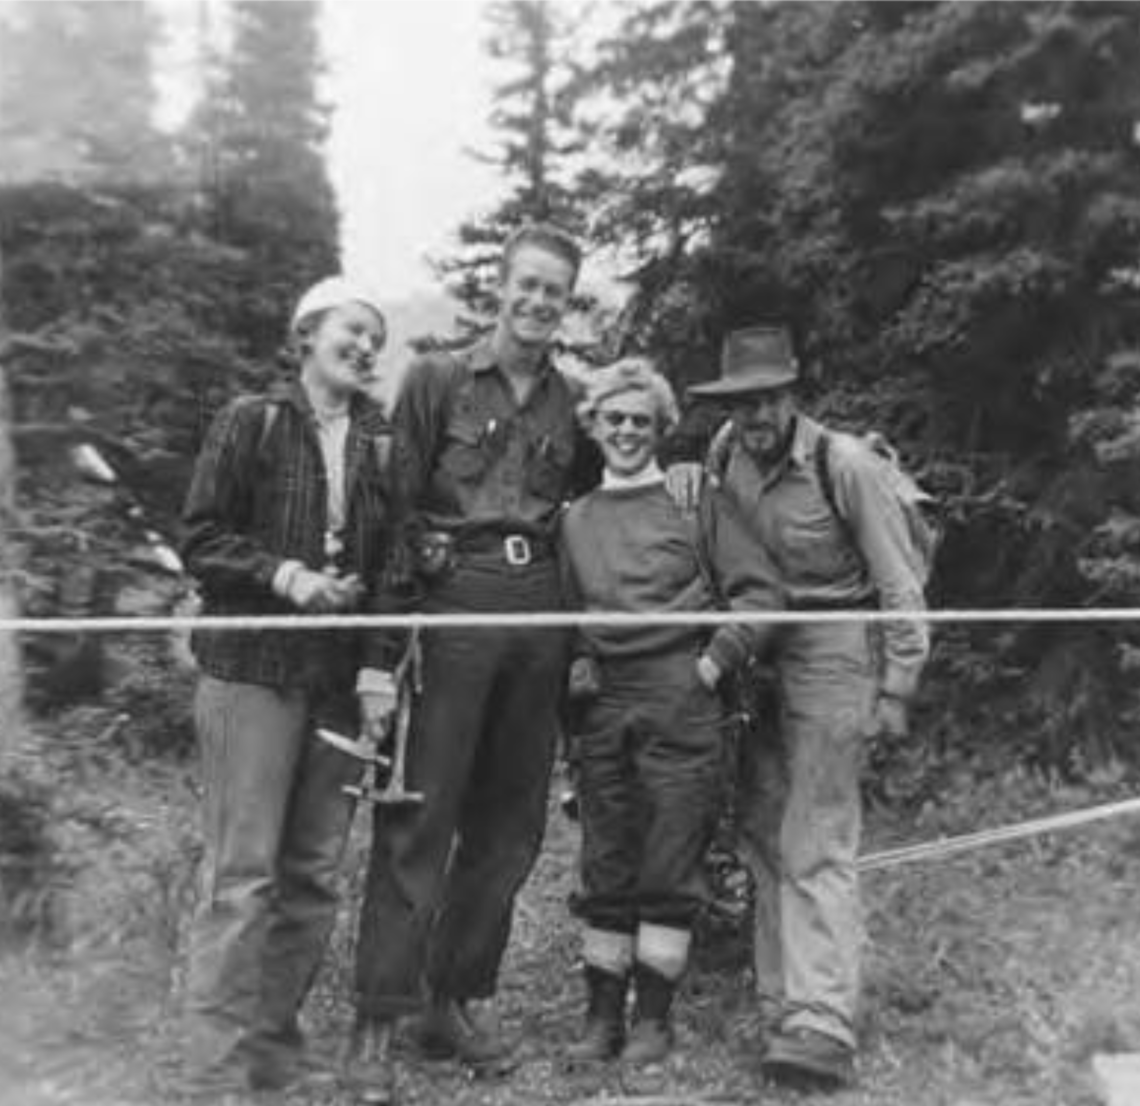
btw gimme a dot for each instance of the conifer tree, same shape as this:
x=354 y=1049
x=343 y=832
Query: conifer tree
x=77 y=95
x=534 y=44
x=259 y=136
x=646 y=121
x=11 y=661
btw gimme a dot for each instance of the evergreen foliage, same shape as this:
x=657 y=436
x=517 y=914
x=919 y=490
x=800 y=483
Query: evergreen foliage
x=259 y=138
x=144 y=300
x=76 y=94
x=533 y=43
x=940 y=199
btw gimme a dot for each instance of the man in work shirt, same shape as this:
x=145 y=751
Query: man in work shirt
x=484 y=457
x=838 y=682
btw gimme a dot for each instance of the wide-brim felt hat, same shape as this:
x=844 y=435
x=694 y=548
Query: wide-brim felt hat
x=755 y=359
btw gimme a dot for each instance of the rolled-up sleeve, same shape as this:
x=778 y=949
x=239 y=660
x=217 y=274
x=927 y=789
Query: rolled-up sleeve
x=880 y=528
x=744 y=576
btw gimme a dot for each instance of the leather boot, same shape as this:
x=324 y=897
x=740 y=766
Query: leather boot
x=453 y=1028
x=604 y=1033
x=369 y=1070
x=651 y=1037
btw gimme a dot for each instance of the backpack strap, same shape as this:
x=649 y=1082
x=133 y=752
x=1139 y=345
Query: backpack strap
x=695 y=524
x=269 y=415
x=823 y=472
x=270 y=408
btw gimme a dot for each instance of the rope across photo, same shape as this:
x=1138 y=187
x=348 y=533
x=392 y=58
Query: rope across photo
x=936 y=849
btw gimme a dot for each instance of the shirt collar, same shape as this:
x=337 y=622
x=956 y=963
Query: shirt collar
x=651 y=474
x=369 y=411
x=800 y=454
x=481 y=359
x=803 y=441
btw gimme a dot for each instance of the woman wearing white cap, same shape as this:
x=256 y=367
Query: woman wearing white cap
x=287 y=513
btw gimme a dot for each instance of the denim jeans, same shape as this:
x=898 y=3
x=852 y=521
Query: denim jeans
x=800 y=824
x=274 y=822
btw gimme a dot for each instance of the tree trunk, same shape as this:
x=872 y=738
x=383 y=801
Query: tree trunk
x=11 y=663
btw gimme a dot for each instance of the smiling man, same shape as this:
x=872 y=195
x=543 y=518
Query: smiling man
x=486 y=453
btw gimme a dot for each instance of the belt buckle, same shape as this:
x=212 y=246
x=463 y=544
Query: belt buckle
x=517 y=550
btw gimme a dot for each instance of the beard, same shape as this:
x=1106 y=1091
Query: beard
x=767 y=444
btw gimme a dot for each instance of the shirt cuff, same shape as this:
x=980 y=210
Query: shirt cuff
x=900 y=681
x=283 y=577
x=726 y=650
x=375 y=681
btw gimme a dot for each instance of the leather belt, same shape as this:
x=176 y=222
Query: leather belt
x=515 y=549
x=868 y=603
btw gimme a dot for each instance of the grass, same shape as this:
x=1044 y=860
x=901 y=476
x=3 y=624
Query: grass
x=991 y=978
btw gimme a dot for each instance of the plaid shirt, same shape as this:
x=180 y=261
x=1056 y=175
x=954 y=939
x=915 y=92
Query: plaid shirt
x=259 y=498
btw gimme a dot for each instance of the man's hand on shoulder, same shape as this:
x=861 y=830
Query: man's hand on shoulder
x=683 y=482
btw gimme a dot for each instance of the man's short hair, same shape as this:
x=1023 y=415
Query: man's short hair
x=544 y=236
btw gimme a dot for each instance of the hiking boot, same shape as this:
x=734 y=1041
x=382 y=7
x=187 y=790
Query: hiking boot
x=451 y=1028
x=808 y=1060
x=769 y=1017
x=369 y=1070
x=303 y=1073
x=222 y=1081
x=604 y=1033
x=281 y=1060
x=651 y=1036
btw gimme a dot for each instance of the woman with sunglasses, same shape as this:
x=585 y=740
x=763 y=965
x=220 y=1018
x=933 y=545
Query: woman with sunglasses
x=649 y=725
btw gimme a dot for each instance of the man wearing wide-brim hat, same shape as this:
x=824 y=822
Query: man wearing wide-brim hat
x=838 y=681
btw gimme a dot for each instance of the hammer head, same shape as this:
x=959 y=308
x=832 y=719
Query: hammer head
x=359 y=748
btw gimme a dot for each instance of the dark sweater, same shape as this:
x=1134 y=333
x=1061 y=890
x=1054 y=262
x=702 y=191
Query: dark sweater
x=631 y=549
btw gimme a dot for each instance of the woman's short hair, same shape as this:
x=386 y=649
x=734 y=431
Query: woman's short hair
x=630 y=374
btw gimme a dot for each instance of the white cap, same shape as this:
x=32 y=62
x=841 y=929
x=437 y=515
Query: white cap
x=332 y=292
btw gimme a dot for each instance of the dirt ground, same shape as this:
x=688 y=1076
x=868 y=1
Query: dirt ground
x=992 y=979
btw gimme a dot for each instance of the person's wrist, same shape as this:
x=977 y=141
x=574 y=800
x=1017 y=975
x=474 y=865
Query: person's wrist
x=284 y=577
x=375 y=681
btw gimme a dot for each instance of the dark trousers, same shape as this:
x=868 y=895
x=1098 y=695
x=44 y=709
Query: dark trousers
x=443 y=876
x=650 y=772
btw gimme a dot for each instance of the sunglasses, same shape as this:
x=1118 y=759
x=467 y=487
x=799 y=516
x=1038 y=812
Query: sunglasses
x=637 y=419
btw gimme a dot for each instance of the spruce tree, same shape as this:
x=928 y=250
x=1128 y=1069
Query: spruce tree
x=77 y=95
x=644 y=120
x=534 y=44
x=259 y=137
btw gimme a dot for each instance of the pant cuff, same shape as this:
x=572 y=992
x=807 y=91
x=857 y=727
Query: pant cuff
x=388 y=1008
x=665 y=949
x=608 y=949
x=830 y=1025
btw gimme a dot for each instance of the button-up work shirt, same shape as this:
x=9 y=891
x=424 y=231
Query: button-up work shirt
x=469 y=457
x=789 y=514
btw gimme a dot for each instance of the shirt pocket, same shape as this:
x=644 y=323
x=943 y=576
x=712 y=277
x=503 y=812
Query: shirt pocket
x=550 y=456
x=812 y=547
x=464 y=458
